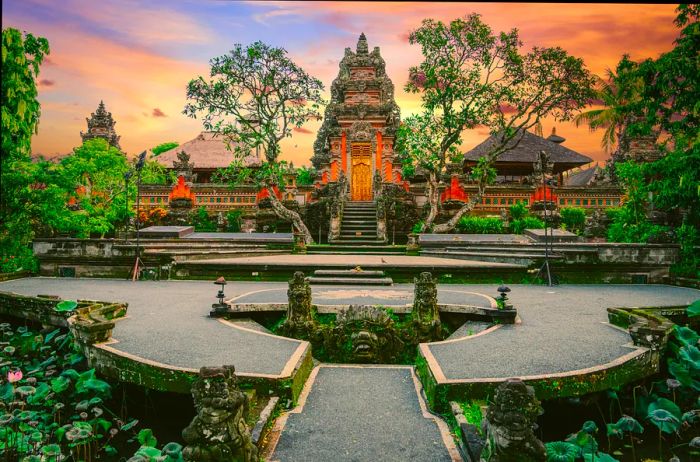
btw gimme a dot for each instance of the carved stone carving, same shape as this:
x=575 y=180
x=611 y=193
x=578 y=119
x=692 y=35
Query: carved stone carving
x=371 y=333
x=299 y=315
x=183 y=167
x=510 y=424
x=218 y=432
x=425 y=307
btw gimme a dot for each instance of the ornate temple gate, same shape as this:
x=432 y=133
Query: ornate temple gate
x=361 y=179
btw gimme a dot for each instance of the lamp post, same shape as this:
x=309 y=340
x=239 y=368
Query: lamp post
x=127 y=176
x=503 y=298
x=219 y=309
x=138 y=263
x=542 y=167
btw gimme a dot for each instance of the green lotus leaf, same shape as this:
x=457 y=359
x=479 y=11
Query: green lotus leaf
x=613 y=430
x=629 y=424
x=148 y=451
x=66 y=305
x=589 y=427
x=60 y=384
x=51 y=450
x=560 y=451
x=129 y=425
x=599 y=457
x=691 y=355
x=25 y=390
x=71 y=374
x=36 y=437
x=691 y=417
x=585 y=441
x=41 y=392
x=664 y=420
x=694 y=309
x=97 y=386
x=667 y=405
x=686 y=335
x=146 y=438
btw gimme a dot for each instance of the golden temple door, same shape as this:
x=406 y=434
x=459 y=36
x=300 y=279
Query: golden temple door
x=361 y=181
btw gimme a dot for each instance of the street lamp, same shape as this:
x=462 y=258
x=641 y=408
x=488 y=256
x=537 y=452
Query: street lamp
x=542 y=167
x=138 y=263
x=127 y=176
x=219 y=309
x=503 y=298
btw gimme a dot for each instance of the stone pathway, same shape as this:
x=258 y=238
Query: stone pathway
x=358 y=413
x=167 y=322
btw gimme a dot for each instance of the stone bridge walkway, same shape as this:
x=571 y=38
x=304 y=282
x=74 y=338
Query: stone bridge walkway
x=353 y=413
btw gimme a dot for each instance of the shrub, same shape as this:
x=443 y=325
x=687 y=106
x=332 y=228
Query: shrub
x=517 y=211
x=416 y=228
x=518 y=226
x=573 y=219
x=480 y=225
x=233 y=221
x=202 y=221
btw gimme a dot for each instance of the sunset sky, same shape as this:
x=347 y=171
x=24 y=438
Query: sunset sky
x=138 y=56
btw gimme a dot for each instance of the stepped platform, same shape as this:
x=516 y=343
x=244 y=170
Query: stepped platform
x=398 y=267
x=350 y=277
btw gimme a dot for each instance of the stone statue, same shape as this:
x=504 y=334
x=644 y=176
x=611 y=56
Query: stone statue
x=510 y=425
x=425 y=308
x=370 y=333
x=218 y=432
x=299 y=316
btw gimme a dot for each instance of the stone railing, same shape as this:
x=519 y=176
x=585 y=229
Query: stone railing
x=337 y=206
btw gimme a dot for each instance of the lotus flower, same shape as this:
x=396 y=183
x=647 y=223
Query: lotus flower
x=14 y=376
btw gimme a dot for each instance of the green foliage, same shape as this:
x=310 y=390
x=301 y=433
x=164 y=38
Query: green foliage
x=458 y=91
x=233 y=221
x=573 y=219
x=480 y=225
x=161 y=148
x=517 y=211
x=155 y=173
x=694 y=309
x=22 y=54
x=255 y=96
x=306 y=176
x=529 y=222
x=418 y=227
x=202 y=221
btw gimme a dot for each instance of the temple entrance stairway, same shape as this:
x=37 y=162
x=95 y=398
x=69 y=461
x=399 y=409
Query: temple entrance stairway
x=358 y=233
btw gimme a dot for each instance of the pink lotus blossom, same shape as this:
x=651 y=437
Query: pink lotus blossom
x=14 y=376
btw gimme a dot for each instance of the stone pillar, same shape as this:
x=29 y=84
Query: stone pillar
x=218 y=432
x=510 y=423
x=425 y=308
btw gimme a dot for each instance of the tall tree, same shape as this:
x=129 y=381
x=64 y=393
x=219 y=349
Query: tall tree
x=617 y=94
x=254 y=97
x=472 y=77
x=21 y=57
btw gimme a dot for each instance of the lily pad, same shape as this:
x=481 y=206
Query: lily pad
x=599 y=457
x=66 y=305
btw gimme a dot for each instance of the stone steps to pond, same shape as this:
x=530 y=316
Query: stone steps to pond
x=350 y=277
x=358 y=232
x=351 y=413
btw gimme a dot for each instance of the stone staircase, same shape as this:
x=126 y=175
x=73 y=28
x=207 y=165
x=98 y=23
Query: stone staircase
x=351 y=277
x=358 y=233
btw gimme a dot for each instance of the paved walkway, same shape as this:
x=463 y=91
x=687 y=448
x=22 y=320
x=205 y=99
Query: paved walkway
x=167 y=322
x=358 y=413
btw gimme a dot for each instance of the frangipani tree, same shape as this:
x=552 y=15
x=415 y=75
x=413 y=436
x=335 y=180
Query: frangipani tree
x=254 y=97
x=471 y=77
